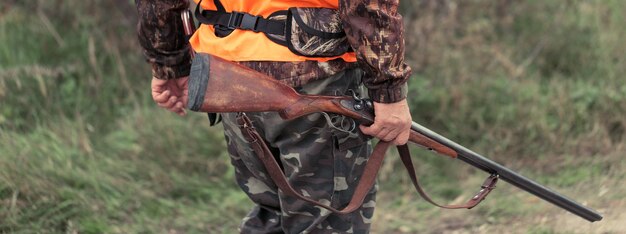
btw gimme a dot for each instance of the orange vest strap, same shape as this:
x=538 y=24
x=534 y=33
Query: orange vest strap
x=226 y=21
x=222 y=39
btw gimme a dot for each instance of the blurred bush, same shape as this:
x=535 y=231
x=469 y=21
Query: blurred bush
x=518 y=73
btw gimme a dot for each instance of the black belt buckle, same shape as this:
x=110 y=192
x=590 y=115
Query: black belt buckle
x=242 y=20
x=249 y=22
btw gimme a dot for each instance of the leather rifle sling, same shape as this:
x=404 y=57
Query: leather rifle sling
x=366 y=180
x=488 y=185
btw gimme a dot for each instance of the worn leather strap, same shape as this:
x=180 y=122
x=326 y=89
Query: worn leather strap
x=277 y=175
x=365 y=182
x=486 y=187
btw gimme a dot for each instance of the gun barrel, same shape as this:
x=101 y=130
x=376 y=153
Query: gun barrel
x=511 y=177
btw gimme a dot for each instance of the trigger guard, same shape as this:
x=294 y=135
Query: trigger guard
x=352 y=124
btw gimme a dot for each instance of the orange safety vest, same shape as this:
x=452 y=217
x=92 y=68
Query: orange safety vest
x=245 y=45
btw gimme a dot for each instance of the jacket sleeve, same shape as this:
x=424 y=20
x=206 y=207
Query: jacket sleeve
x=374 y=29
x=162 y=37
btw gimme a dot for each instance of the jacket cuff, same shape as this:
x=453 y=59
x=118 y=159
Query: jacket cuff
x=389 y=94
x=170 y=72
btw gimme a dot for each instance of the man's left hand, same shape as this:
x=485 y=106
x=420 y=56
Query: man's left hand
x=171 y=94
x=392 y=122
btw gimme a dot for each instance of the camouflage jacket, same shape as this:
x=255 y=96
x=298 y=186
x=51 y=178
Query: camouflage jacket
x=374 y=29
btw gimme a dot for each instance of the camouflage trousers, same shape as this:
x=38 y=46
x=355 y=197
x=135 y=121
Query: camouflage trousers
x=320 y=162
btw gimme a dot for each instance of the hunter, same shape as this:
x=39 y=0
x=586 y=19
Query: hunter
x=366 y=47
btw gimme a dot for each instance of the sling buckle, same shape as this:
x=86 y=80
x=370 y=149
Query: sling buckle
x=242 y=20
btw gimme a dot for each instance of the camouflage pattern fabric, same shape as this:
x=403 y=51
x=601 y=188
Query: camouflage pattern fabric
x=374 y=29
x=161 y=34
x=376 y=32
x=319 y=162
x=322 y=20
x=299 y=73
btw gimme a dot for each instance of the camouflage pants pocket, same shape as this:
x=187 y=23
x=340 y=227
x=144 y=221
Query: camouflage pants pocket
x=350 y=154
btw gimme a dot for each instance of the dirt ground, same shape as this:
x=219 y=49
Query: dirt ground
x=606 y=195
x=558 y=221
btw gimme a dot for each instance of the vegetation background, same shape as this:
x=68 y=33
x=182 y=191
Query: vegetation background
x=536 y=85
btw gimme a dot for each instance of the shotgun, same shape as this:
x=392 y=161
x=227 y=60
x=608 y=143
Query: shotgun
x=215 y=86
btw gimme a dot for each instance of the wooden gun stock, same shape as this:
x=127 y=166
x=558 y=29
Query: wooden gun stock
x=217 y=85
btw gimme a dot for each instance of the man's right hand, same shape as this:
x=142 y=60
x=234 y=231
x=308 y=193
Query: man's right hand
x=171 y=94
x=392 y=122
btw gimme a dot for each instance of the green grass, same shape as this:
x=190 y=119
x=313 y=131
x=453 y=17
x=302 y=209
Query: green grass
x=128 y=179
x=80 y=150
x=535 y=85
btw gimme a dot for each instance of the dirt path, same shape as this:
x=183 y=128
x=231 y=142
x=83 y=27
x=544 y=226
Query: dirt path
x=562 y=222
x=544 y=219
